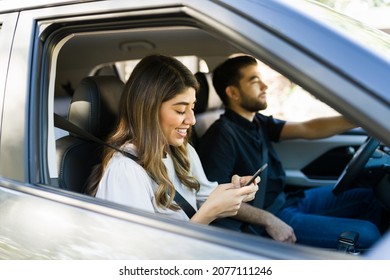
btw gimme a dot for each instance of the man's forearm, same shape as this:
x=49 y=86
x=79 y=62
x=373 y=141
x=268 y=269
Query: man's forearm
x=326 y=127
x=275 y=227
x=250 y=214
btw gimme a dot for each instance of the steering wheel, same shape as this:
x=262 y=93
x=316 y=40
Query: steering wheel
x=356 y=164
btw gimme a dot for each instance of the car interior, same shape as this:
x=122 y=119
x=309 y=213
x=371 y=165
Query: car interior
x=93 y=108
x=93 y=63
x=84 y=77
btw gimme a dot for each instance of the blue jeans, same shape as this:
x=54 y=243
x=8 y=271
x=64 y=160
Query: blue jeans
x=320 y=217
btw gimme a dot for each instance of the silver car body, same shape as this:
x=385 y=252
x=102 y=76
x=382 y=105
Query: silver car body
x=341 y=61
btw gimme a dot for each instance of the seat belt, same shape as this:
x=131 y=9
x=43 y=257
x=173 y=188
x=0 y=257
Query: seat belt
x=66 y=125
x=184 y=205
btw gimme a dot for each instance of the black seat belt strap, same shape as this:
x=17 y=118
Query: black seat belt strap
x=66 y=125
x=183 y=203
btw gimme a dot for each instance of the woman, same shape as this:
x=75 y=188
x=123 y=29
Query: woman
x=155 y=119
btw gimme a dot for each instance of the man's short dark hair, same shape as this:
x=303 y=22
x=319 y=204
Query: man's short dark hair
x=228 y=74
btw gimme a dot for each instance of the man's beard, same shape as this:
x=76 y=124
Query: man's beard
x=252 y=104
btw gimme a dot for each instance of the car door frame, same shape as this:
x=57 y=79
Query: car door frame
x=7 y=28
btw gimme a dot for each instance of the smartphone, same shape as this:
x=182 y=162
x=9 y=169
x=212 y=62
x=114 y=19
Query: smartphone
x=261 y=169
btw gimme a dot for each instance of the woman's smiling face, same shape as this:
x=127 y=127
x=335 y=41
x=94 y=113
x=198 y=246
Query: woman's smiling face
x=177 y=116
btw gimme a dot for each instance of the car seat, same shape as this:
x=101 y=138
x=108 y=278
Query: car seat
x=208 y=106
x=94 y=108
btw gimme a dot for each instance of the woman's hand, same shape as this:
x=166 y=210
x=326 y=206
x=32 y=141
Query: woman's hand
x=242 y=182
x=225 y=200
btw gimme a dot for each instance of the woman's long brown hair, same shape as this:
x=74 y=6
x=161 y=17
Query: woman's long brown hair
x=154 y=80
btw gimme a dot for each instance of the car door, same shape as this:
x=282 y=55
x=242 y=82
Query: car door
x=311 y=163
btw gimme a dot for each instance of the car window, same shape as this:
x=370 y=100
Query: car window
x=89 y=46
x=74 y=57
x=285 y=97
x=289 y=101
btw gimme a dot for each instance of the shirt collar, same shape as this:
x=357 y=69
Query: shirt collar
x=241 y=121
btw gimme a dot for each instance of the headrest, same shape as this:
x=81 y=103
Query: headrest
x=95 y=104
x=207 y=98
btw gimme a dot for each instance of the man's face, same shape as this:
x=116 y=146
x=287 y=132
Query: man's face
x=252 y=90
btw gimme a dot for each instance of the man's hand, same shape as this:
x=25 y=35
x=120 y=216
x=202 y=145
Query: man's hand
x=276 y=228
x=279 y=230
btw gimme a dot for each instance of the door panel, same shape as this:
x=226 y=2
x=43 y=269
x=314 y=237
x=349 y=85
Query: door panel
x=311 y=163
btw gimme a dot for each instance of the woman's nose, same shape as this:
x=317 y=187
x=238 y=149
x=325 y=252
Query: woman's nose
x=190 y=118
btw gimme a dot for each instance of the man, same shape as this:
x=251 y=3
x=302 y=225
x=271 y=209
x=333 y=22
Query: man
x=240 y=142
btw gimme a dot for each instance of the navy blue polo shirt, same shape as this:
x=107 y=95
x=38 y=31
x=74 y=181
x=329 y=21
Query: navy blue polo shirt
x=234 y=145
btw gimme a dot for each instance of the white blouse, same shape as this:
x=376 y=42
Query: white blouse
x=126 y=182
